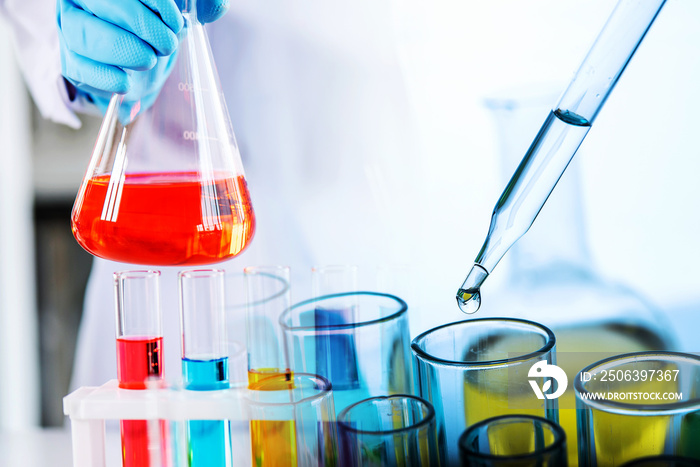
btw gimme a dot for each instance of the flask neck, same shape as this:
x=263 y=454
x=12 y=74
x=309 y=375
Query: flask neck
x=189 y=10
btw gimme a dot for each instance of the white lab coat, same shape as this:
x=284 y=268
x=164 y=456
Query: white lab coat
x=321 y=115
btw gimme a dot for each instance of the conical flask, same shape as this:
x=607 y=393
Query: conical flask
x=165 y=184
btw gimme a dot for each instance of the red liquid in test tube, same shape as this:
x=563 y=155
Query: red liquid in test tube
x=139 y=360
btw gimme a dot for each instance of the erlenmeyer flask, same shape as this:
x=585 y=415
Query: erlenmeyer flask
x=165 y=184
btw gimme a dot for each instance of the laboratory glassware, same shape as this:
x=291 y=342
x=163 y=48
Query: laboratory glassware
x=293 y=425
x=165 y=183
x=380 y=338
x=513 y=441
x=637 y=405
x=139 y=359
x=389 y=431
x=663 y=461
x=205 y=362
x=559 y=138
x=551 y=277
x=477 y=369
x=337 y=353
x=268 y=296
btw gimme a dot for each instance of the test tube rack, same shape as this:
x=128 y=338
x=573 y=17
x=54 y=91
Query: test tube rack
x=90 y=407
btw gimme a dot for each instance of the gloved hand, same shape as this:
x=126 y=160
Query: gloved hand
x=101 y=39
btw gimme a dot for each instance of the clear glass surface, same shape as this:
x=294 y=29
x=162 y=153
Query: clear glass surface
x=389 y=431
x=477 y=369
x=332 y=279
x=364 y=358
x=268 y=296
x=638 y=405
x=514 y=441
x=137 y=303
x=292 y=421
x=203 y=314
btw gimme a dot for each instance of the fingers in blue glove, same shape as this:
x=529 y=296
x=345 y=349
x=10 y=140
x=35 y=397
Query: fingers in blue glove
x=119 y=18
x=211 y=10
x=208 y=10
x=88 y=75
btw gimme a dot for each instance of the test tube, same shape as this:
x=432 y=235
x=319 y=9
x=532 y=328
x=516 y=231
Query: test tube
x=139 y=358
x=272 y=435
x=336 y=353
x=205 y=360
x=268 y=296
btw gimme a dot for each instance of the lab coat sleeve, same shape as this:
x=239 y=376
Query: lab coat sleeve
x=34 y=34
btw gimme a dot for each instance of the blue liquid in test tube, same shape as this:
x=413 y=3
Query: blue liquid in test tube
x=205 y=362
x=207 y=440
x=336 y=354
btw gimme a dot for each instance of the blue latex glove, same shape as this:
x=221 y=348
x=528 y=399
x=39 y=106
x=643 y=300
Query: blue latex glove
x=208 y=10
x=115 y=46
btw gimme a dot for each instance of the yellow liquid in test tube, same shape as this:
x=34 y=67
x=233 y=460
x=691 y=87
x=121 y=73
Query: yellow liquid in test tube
x=274 y=379
x=273 y=442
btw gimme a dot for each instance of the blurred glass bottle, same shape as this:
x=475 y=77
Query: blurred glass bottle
x=165 y=184
x=551 y=277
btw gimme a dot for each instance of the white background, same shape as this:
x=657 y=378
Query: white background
x=638 y=163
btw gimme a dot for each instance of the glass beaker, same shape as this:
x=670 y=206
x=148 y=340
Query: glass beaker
x=165 y=183
x=293 y=425
x=552 y=279
x=638 y=405
x=389 y=431
x=513 y=441
x=477 y=369
x=375 y=345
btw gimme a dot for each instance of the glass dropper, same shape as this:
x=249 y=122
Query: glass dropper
x=559 y=139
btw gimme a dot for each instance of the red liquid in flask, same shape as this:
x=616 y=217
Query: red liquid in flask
x=138 y=360
x=164 y=218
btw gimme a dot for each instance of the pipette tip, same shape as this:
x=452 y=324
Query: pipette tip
x=469 y=295
x=469 y=301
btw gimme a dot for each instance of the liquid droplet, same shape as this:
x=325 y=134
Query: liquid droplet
x=469 y=300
